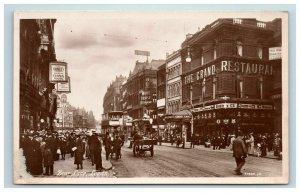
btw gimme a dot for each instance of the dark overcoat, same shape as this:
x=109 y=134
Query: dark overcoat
x=97 y=151
x=79 y=151
x=239 y=148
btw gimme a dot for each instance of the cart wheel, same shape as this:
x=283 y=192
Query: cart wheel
x=152 y=151
x=135 y=150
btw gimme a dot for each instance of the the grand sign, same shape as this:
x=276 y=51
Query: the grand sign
x=241 y=67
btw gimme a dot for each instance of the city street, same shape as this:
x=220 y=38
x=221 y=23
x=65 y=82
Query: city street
x=173 y=162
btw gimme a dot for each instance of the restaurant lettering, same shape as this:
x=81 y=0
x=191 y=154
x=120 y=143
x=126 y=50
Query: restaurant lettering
x=230 y=66
x=248 y=68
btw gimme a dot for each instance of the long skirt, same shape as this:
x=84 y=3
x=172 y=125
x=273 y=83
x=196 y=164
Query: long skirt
x=78 y=157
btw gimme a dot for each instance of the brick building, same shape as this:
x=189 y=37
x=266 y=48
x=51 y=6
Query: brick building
x=113 y=102
x=37 y=107
x=161 y=98
x=140 y=95
x=175 y=114
x=227 y=77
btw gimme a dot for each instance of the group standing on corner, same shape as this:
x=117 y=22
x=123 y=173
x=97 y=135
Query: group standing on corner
x=42 y=149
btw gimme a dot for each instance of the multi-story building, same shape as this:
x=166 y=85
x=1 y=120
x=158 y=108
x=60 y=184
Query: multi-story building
x=227 y=77
x=112 y=98
x=276 y=90
x=113 y=105
x=37 y=102
x=176 y=116
x=141 y=94
x=64 y=115
x=161 y=100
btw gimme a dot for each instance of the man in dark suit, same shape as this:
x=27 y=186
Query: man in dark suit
x=239 y=152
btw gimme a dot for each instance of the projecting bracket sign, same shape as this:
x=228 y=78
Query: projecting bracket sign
x=58 y=72
x=64 y=87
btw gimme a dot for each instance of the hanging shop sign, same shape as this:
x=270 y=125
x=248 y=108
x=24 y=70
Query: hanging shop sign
x=58 y=72
x=64 y=87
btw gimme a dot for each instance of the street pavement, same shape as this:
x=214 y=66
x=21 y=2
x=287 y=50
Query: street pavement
x=168 y=161
x=67 y=169
x=177 y=162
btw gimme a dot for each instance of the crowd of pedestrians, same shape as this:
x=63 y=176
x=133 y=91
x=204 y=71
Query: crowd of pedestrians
x=42 y=149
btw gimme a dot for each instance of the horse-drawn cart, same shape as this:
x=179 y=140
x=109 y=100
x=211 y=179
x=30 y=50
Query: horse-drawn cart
x=140 y=147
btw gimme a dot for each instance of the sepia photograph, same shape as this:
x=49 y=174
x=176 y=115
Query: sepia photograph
x=150 y=97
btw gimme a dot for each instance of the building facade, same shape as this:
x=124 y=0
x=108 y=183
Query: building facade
x=140 y=95
x=161 y=100
x=227 y=77
x=113 y=102
x=37 y=99
x=174 y=94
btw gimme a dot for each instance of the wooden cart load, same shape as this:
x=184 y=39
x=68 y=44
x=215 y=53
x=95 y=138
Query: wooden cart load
x=141 y=146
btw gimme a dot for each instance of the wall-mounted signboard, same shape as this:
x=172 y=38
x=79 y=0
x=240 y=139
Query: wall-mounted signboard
x=58 y=72
x=64 y=87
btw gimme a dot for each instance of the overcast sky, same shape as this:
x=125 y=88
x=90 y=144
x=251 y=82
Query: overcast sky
x=100 y=46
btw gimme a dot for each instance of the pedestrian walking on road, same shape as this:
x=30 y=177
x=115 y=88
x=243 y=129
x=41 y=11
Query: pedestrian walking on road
x=250 y=144
x=72 y=143
x=91 y=143
x=62 y=147
x=97 y=144
x=159 y=139
x=107 y=145
x=36 y=166
x=239 y=152
x=193 y=140
x=48 y=161
x=117 y=147
x=78 y=156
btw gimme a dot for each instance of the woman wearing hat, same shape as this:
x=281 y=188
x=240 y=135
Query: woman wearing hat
x=78 y=158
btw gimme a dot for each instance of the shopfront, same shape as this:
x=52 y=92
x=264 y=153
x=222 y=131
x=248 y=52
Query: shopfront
x=226 y=118
x=179 y=123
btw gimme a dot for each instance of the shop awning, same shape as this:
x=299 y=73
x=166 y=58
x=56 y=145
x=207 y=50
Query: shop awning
x=184 y=114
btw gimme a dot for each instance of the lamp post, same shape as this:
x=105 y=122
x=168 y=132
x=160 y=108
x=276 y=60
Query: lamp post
x=192 y=108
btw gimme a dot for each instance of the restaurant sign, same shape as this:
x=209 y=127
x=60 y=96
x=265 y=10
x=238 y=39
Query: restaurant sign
x=237 y=66
x=58 y=72
x=233 y=105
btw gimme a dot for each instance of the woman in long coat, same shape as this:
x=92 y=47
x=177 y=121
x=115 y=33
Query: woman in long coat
x=97 y=153
x=79 y=152
x=48 y=160
x=36 y=158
